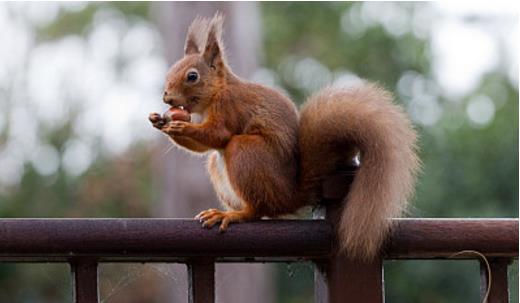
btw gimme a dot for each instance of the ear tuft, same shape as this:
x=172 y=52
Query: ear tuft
x=196 y=36
x=214 y=49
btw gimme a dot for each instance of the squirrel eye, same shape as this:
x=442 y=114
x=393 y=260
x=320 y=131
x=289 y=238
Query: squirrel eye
x=192 y=76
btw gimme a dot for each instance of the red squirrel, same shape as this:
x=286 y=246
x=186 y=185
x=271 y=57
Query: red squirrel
x=267 y=159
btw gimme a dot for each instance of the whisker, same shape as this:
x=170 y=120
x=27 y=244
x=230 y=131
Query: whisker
x=167 y=150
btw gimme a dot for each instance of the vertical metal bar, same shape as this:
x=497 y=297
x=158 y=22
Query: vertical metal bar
x=340 y=279
x=85 y=281
x=499 y=292
x=201 y=276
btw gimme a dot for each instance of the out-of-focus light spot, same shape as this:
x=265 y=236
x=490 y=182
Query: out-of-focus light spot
x=41 y=14
x=138 y=41
x=461 y=56
x=463 y=9
x=22 y=130
x=412 y=87
x=45 y=160
x=116 y=111
x=43 y=75
x=392 y=16
x=352 y=23
x=98 y=77
x=104 y=41
x=77 y=157
x=421 y=23
x=55 y=79
x=17 y=38
x=73 y=6
x=287 y=69
x=425 y=110
x=146 y=73
x=481 y=110
x=11 y=162
x=307 y=74
x=346 y=79
x=310 y=74
x=110 y=15
x=3 y=12
x=411 y=84
x=512 y=52
x=264 y=76
x=3 y=121
x=88 y=123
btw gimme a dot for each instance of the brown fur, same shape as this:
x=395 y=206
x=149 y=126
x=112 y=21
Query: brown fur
x=361 y=119
x=257 y=141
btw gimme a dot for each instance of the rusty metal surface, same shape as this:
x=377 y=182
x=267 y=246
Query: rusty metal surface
x=499 y=292
x=340 y=280
x=277 y=240
x=440 y=238
x=84 y=281
x=201 y=281
x=147 y=239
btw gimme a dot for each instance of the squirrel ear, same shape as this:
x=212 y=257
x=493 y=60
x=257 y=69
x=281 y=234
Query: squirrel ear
x=190 y=47
x=196 y=35
x=214 y=52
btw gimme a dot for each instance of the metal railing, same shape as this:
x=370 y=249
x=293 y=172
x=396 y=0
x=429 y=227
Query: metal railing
x=84 y=243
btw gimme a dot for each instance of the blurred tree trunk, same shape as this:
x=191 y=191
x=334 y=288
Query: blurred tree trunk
x=182 y=180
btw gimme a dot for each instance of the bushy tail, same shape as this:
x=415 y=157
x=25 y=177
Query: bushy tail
x=335 y=125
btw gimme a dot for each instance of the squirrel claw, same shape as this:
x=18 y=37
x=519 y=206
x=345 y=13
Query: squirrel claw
x=201 y=216
x=212 y=216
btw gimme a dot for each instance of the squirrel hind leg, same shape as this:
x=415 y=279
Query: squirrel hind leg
x=259 y=178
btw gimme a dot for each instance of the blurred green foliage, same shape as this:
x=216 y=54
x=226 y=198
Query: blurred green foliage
x=468 y=171
x=76 y=22
x=34 y=282
x=314 y=30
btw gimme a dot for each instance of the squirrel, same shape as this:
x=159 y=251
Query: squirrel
x=268 y=160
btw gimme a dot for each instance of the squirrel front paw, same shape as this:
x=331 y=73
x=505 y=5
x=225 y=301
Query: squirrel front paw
x=157 y=120
x=176 y=128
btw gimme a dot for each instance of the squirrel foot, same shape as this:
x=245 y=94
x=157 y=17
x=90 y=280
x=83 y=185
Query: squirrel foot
x=212 y=216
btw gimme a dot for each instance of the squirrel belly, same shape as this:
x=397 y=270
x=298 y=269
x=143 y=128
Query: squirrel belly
x=219 y=178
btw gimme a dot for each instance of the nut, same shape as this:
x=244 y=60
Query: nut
x=176 y=114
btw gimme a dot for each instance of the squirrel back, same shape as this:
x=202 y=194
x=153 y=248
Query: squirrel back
x=336 y=125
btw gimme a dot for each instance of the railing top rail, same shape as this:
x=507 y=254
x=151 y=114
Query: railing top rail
x=268 y=240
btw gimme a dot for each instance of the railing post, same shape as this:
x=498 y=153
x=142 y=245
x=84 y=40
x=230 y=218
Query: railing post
x=84 y=280
x=499 y=292
x=201 y=281
x=339 y=279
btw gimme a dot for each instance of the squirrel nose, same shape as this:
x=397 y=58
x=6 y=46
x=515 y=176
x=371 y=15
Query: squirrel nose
x=168 y=99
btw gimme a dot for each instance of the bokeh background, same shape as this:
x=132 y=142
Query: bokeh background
x=77 y=81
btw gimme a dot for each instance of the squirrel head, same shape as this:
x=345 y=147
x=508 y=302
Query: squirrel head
x=200 y=75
